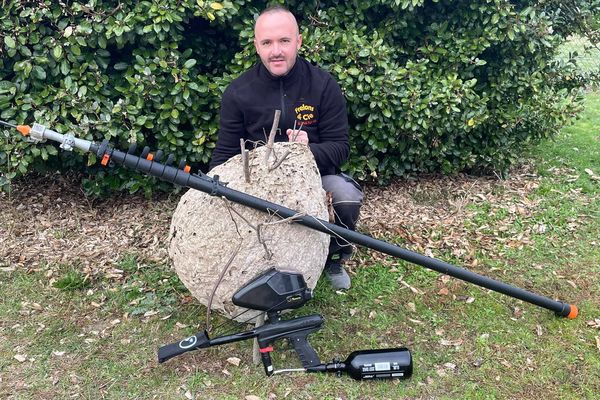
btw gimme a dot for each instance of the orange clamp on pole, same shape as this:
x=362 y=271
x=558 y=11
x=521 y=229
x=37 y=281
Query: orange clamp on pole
x=24 y=129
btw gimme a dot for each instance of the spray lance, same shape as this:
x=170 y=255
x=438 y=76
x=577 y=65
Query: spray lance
x=362 y=365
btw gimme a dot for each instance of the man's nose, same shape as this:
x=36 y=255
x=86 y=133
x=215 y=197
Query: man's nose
x=276 y=49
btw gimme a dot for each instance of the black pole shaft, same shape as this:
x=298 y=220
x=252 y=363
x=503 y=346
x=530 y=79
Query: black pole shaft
x=209 y=185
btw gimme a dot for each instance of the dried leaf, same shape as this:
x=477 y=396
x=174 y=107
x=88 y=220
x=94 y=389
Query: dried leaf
x=252 y=397
x=450 y=365
x=443 y=291
x=20 y=357
x=540 y=228
x=538 y=330
x=445 y=278
x=58 y=353
x=372 y=314
x=517 y=312
x=416 y=321
x=412 y=289
x=150 y=313
x=470 y=300
x=594 y=323
x=411 y=307
x=353 y=311
x=457 y=342
x=234 y=361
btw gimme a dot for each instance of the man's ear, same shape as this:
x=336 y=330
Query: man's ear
x=299 y=41
x=255 y=45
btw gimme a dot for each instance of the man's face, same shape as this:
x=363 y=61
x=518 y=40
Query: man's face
x=277 y=41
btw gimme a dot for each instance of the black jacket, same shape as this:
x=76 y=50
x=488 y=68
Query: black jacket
x=306 y=95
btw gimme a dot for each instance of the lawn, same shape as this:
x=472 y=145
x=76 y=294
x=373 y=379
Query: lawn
x=87 y=296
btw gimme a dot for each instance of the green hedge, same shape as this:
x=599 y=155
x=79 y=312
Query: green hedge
x=431 y=85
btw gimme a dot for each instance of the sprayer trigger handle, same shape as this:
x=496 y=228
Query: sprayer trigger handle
x=306 y=353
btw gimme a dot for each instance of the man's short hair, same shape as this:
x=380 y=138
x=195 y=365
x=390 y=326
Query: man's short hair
x=275 y=8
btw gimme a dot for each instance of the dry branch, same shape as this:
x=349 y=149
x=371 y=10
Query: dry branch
x=245 y=161
x=271 y=138
x=218 y=282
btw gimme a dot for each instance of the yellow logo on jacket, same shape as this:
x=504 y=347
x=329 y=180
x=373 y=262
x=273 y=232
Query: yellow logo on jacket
x=306 y=114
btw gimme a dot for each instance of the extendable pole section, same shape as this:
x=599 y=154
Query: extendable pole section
x=213 y=187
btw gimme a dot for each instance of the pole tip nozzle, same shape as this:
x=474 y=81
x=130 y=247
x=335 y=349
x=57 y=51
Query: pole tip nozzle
x=24 y=129
x=573 y=312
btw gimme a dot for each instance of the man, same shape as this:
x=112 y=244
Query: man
x=307 y=96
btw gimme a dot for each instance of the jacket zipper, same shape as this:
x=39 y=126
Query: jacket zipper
x=282 y=119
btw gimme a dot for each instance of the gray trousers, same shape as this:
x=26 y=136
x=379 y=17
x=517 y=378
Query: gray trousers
x=347 y=198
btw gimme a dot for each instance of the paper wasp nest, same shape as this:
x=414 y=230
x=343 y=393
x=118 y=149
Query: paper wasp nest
x=208 y=232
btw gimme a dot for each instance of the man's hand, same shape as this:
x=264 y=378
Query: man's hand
x=297 y=136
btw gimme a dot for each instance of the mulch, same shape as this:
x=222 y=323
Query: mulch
x=48 y=220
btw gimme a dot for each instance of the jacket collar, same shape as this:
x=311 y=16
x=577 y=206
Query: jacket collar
x=290 y=77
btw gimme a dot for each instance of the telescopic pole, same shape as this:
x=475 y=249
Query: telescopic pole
x=181 y=176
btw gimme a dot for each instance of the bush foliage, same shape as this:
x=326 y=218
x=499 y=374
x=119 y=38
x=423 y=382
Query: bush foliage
x=431 y=85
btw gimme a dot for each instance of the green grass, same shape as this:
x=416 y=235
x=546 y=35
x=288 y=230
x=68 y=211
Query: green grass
x=90 y=338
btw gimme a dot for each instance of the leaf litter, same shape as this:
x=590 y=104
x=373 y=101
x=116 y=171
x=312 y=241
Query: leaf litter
x=49 y=221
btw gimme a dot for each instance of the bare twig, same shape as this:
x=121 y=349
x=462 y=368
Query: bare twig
x=230 y=209
x=256 y=229
x=271 y=138
x=245 y=162
x=246 y=159
x=294 y=128
x=226 y=267
x=221 y=275
x=297 y=132
x=279 y=161
x=284 y=220
x=269 y=253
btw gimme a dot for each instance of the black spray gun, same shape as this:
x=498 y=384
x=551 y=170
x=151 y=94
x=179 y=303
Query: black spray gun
x=274 y=291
